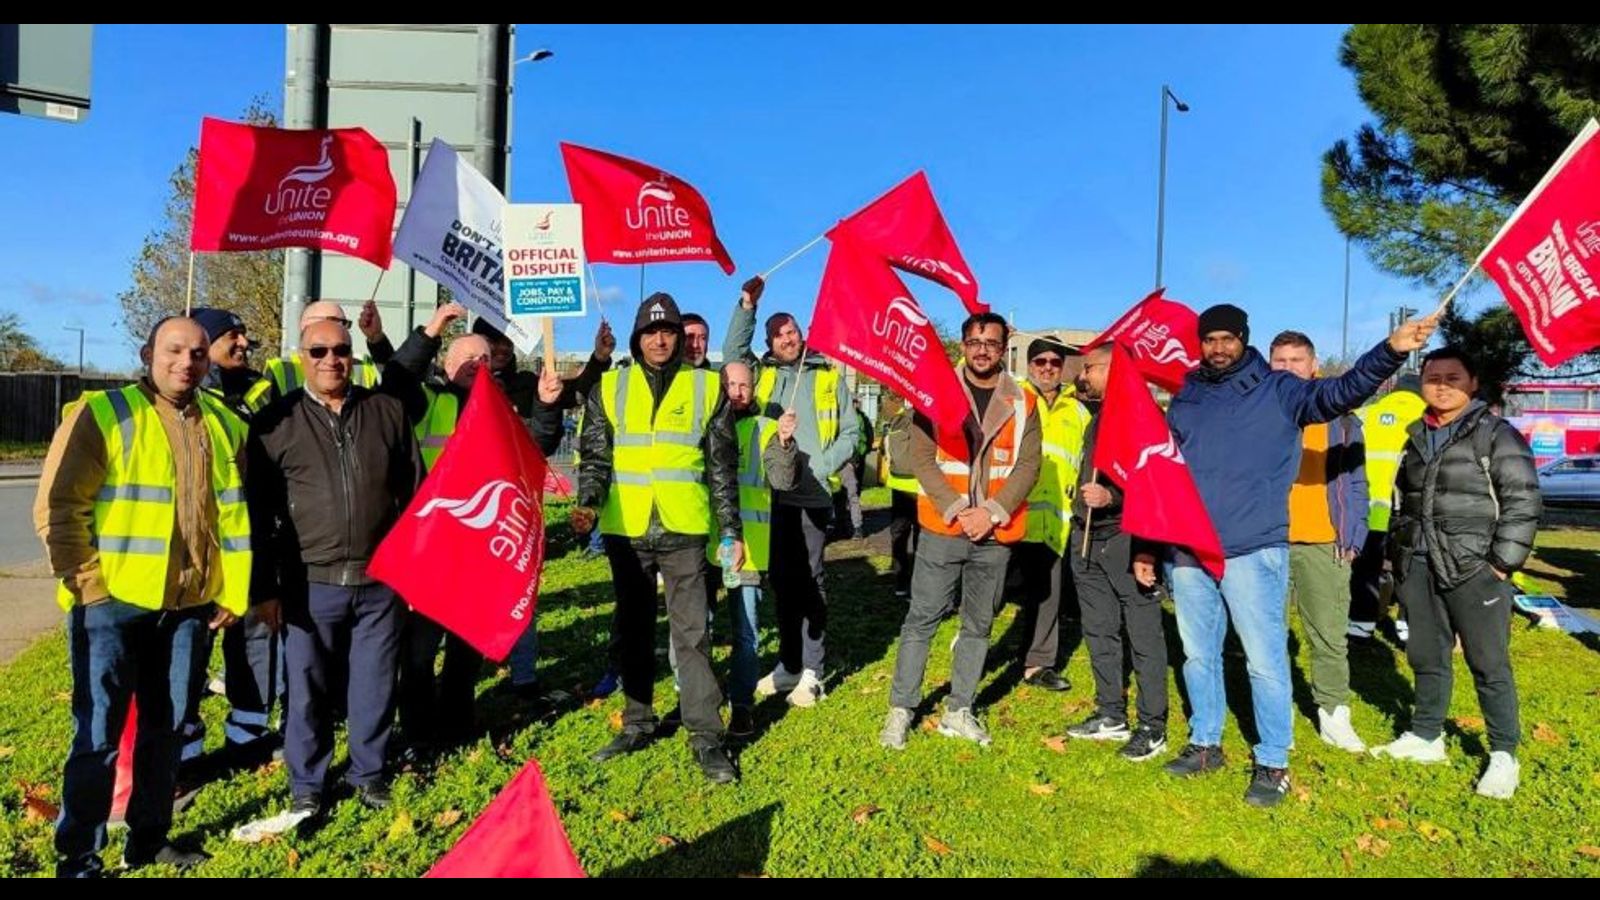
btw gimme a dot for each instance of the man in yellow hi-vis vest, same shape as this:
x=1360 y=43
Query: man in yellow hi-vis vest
x=141 y=508
x=826 y=434
x=658 y=467
x=768 y=460
x=286 y=374
x=1047 y=588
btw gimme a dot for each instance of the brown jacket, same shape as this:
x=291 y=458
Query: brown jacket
x=75 y=470
x=921 y=457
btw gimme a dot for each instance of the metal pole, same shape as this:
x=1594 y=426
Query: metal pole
x=1344 y=342
x=1161 y=190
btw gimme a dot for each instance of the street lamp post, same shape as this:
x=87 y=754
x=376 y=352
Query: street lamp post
x=1161 y=192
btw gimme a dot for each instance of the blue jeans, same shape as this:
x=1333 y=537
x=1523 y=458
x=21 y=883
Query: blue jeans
x=524 y=658
x=746 y=639
x=1253 y=593
x=120 y=652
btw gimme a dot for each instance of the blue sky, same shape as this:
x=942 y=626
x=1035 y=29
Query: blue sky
x=1041 y=144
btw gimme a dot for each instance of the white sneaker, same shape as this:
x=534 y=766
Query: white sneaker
x=1402 y=631
x=808 y=691
x=1335 y=729
x=1414 y=749
x=961 y=723
x=1501 y=778
x=776 y=681
x=895 y=728
x=1361 y=631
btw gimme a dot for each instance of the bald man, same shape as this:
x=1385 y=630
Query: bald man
x=286 y=374
x=331 y=466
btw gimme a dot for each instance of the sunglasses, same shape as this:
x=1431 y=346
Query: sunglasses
x=1048 y=362
x=341 y=351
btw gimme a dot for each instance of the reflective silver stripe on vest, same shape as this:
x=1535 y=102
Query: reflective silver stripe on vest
x=291 y=376
x=621 y=406
x=147 y=546
x=679 y=438
x=699 y=419
x=631 y=440
x=633 y=478
x=750 y=472
x=236 y=544
x=690 y=475
x=231 y=495
x=435 y=440
x=758 y=518
x=124 y=412
x=147 y=493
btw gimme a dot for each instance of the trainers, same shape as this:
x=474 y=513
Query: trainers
x=1411 y=748
x=1100 y=728
x=779 y=680
x=1048 y=679
x=1267 y=787
x=607 y=685
x=1402 y=632
x=1194 y=759
x=1361 y=631
x=1145 y=744
x=1501 y=778
x=807 y=691
x=961 y=723
x=1335 y=729
x=895 y=728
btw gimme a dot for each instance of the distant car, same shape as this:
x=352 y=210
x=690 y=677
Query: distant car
x=1571 y=479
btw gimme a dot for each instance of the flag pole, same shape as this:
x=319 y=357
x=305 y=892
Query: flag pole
x=1088 y=515
x=377 y=284
x=792 y=257
x=188 y=294
x=1451 y=296
x=595 y=283
x=799 y=370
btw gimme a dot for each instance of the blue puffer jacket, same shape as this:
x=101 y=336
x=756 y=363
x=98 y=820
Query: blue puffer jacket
x=1239 y=430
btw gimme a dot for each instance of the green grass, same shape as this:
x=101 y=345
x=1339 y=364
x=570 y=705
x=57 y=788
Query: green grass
x=820 y=798
x=20 y=450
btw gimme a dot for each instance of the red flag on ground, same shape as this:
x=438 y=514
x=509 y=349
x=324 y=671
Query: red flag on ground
x=1140 y=454
x=519 y=835
x=866 y=319
x=1162 y=336
x=634 y=213
x=258 y=188
x=906 y=228
x=468 y=551
x=1546 y=259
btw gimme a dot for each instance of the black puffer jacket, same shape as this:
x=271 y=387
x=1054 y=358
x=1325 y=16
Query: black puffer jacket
x=1472 y=502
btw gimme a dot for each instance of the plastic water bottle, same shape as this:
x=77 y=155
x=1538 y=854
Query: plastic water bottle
x=730 y=575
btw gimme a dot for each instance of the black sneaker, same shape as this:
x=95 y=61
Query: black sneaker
x=1194 y=759
x=1267 y=787
x=716 y=764
x=1145 y=743
x=309 y=804
x=741 y=723
x=168 y=855
x=1100 y=728
x=374 y=795
x=630 y=740
x=1048 y=679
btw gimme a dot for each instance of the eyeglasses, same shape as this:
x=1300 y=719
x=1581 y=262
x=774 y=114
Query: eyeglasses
x=341 y=351
x=978 y=344
x=1048 y=362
